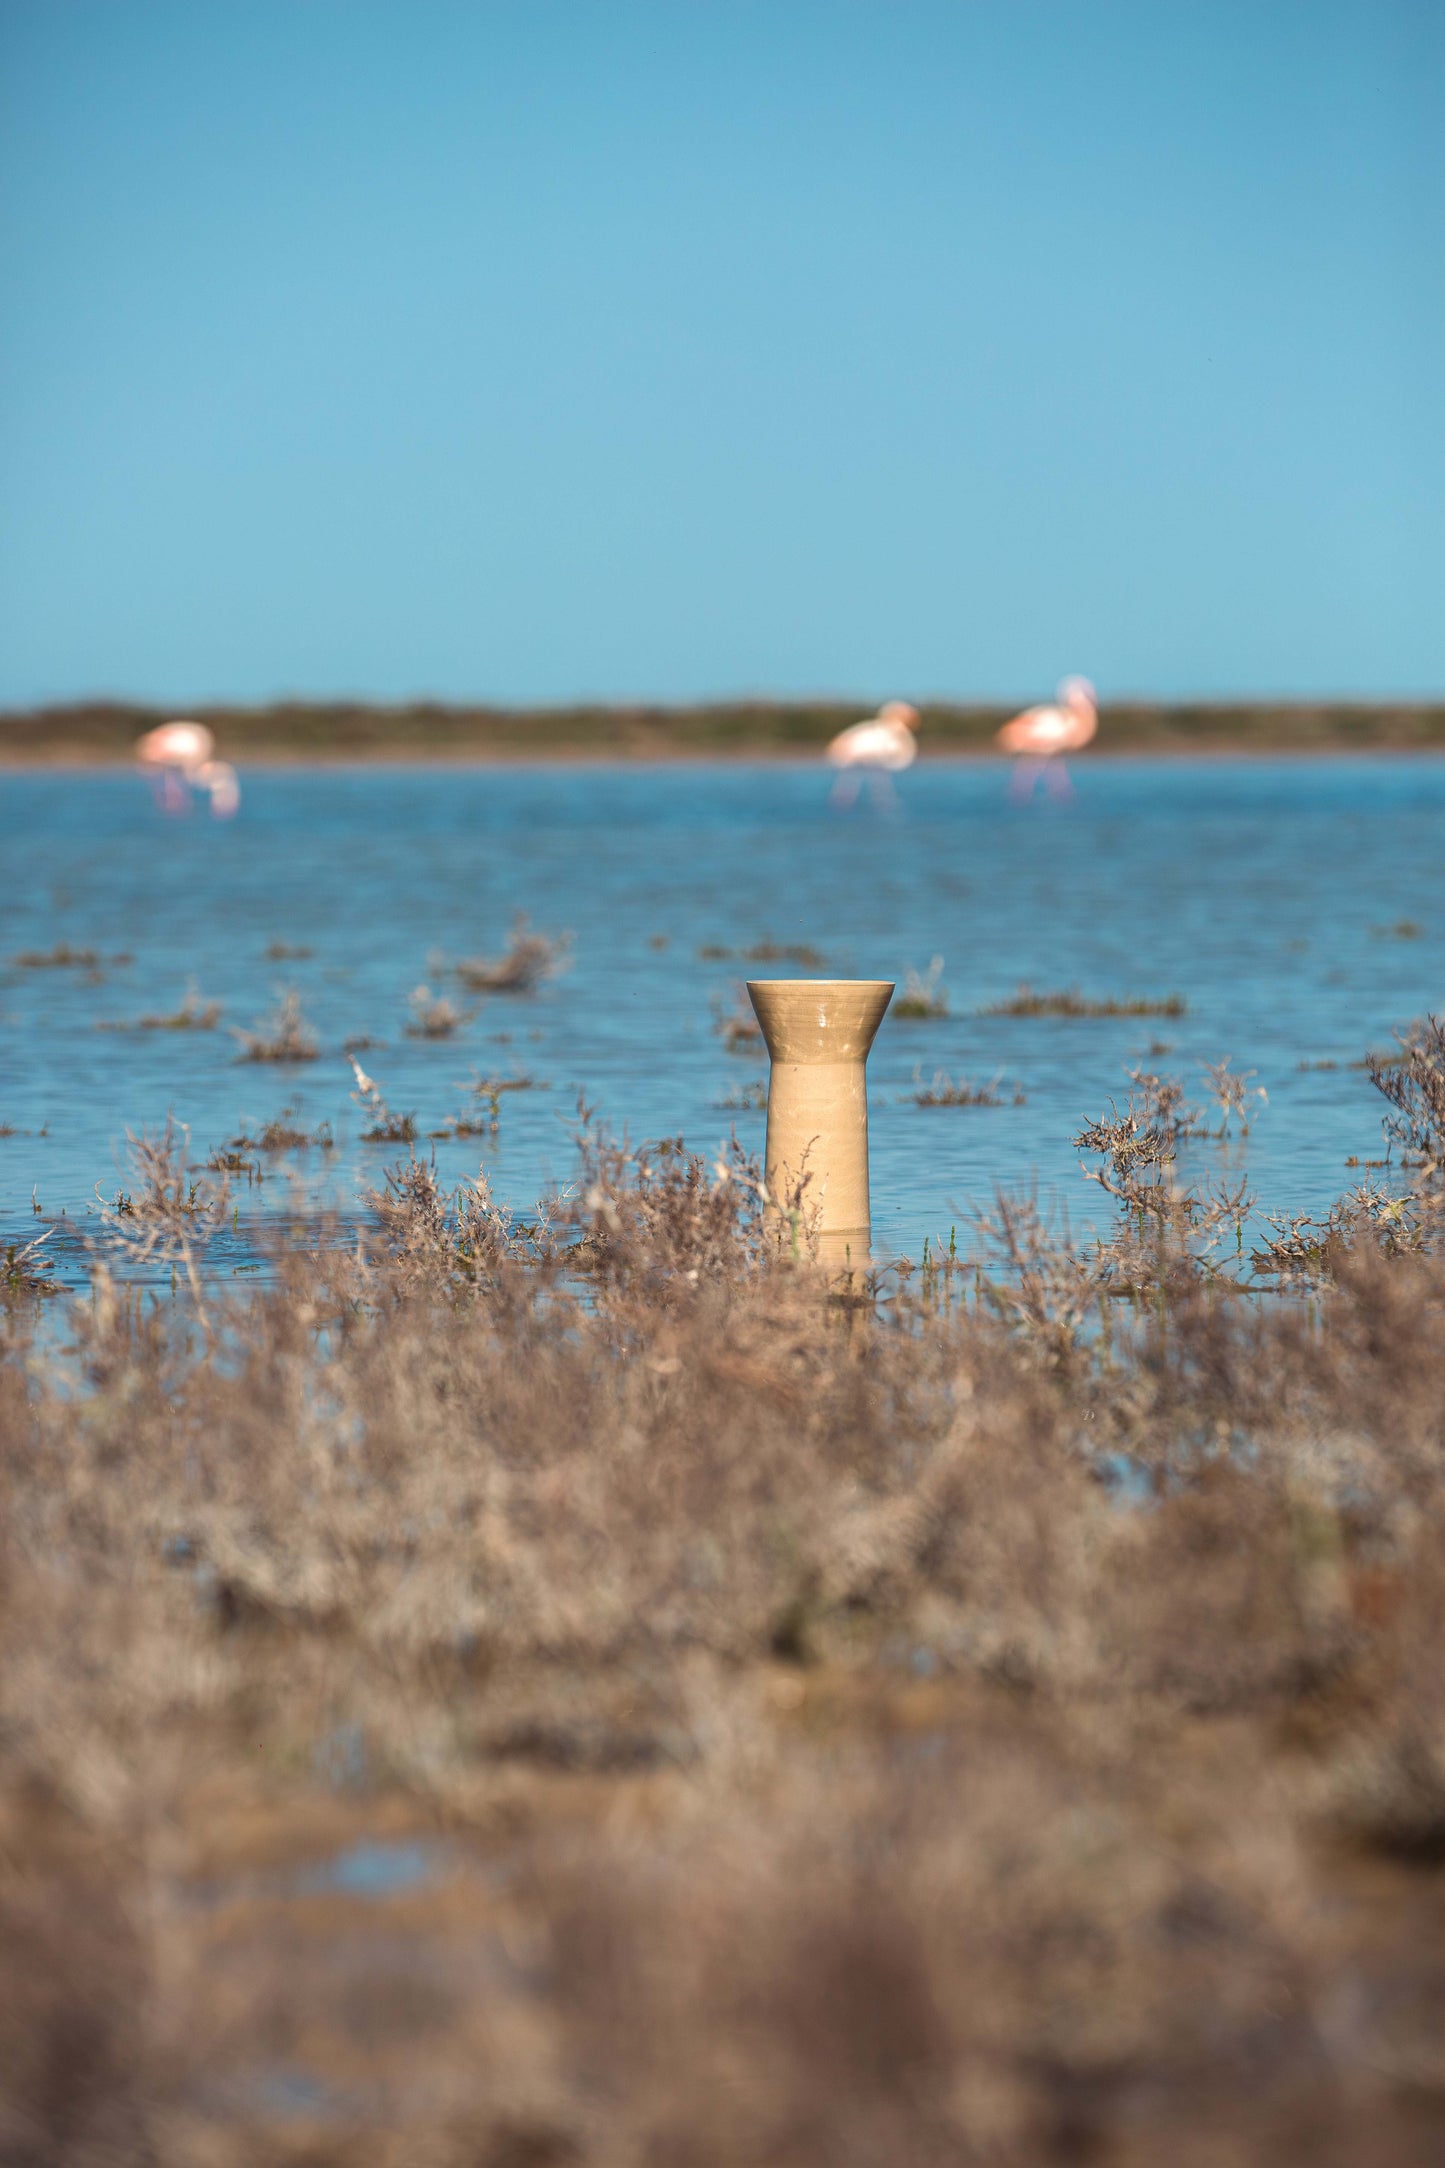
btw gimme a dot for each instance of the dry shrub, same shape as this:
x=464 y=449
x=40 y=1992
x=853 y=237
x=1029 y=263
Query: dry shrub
x=996 y=1722
x=528 y=961
x=283 y=1036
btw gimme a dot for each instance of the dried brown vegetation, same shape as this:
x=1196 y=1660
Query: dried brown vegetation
x=434 y=1016
x=284 y=1036
x=529 y=959
x=947 y=1091
x=60 y=958
x=483 y=1116
x=924 y=994
x=283 y=1133
x=194 y=1014
x=579 y=1693
x=738 y=1027
x=385 y=1127
x=1072 y=1003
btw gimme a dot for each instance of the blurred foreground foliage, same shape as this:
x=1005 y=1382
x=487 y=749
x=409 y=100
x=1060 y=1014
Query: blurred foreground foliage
x=599 y=1691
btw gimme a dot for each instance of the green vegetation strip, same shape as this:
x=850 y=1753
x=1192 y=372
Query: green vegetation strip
x=102 y=730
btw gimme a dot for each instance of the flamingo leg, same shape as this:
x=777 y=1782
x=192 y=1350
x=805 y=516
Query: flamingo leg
x=1025 y=775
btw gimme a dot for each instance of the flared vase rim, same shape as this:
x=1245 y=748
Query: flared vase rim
x=813 y=985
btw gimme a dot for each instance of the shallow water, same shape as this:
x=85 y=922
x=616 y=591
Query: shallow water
x=1271 y=895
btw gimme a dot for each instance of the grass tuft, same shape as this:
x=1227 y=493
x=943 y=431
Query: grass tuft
x=1072 y=1003
x=923 y=996
x=944 y=1092
x=60 y=958
x=284 y=1036
x=528 y=961
x=587 y=1690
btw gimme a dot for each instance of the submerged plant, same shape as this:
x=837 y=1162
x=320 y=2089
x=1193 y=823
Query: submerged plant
x=483 y=1118
x=924 y=996
x=945 y=1092
x=60 y=958
x=1302 y=1251
x=433 y=1016
x=1166 y=1232
x=22 y=1268
x=231 y=1159
x=283 y=1134
x=386 y=1127
x=284 y=1036
x=529 y=959
x=194 y=1014
x=168 y=1215
x=747 y=1098
x=1073 y=1004
x=802 y=953
x=738 y=1027
x=1413 y=1084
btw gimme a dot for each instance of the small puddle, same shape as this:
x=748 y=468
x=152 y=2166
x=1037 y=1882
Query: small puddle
x=372 y=1869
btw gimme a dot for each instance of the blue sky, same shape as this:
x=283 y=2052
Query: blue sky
x=702 y=347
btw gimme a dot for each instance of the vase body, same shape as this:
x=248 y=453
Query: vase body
x=818 y=1033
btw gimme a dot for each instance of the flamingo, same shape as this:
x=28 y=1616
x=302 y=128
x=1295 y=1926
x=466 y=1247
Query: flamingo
x=882 y=746
x=219 y=778
x=178 y=756
x=1039 y=736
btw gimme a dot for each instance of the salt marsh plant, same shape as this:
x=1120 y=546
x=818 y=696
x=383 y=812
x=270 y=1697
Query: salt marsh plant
x=1301 y=1251
x=385 y=1127
x=945 y=1092
x=529 y=959
x=483 y=1117
x=23 y=1269
x=1000 y=1721
x=169 y=1215
x=738 y=1027
x=801 y=953
x=1413 y=1084
x=433 y=1016
x=60 y=958
x=923 y=995
x=194 y=1014
x=1072 y=1003
x=283 y=1133
x=284 y=1036
x=748 y=1098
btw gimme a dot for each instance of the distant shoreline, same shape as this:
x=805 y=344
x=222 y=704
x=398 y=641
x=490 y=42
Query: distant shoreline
x=294 y=733
x=281 y=762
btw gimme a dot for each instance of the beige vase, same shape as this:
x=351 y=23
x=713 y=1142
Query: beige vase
x=818 y=1032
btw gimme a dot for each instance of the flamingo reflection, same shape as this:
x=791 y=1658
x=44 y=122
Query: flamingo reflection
x=1039 y=738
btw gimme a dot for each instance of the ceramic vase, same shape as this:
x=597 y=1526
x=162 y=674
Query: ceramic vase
x=818 y=1033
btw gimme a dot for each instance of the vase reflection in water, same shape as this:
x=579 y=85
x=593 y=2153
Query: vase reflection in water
x=818 y=1033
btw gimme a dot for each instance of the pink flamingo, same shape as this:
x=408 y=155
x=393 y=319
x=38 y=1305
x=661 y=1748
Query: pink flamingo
x=179 y=758
x=1040 y=736
x=884 y=745
x=220 y=779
